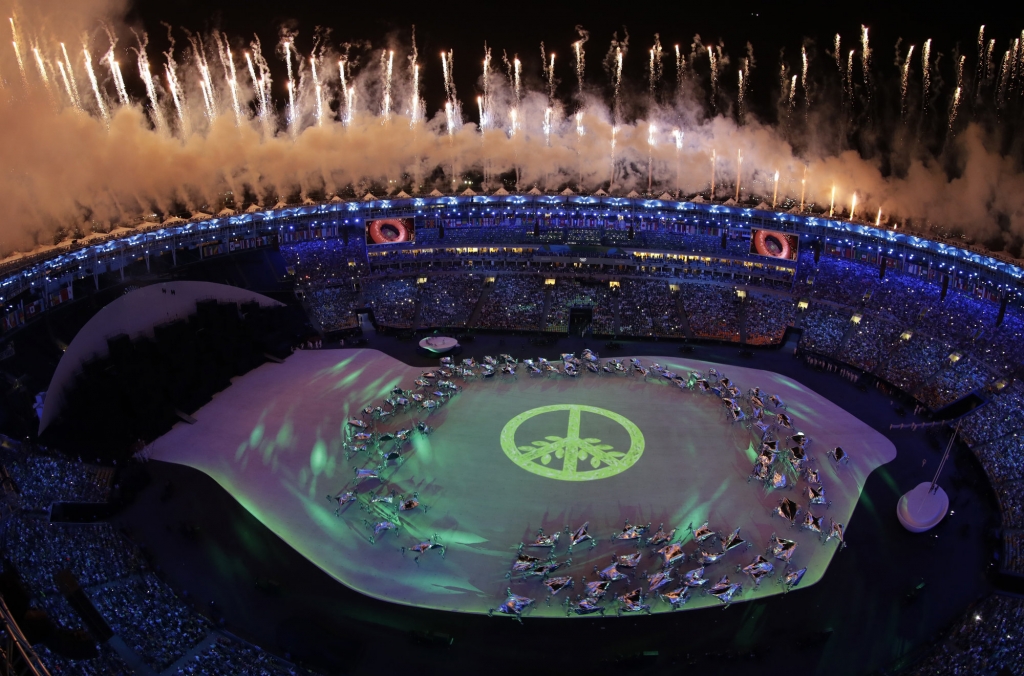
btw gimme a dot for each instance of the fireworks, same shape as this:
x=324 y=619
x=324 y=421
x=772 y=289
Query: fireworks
x=600 y=144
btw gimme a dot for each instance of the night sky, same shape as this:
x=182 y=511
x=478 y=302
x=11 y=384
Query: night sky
x=519 y=27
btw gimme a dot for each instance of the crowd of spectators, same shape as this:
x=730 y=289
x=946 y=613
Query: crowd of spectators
x=565 y=295
x=870 y=342
x=475 y=236
x=953 y=382
x=902 y=298
x=234 y=658
x=106 y=663
x=149 y=617
x=914 y=360
x=1002 y=459
x=986 y=641
x=1002 y=415
x=1011 y=503
x=842 y=281
x=767 y=317
x=649 y=308
x=393 y=300
x=824 y=327
x=712 y=311
x=449 y=300
x=137 y=606
x=959 y=319
x=515 y=303
x=999 y=346
x=95 y=553
x=332 y=307
x=42 y=480
x=326 y=262
x=1013 y=551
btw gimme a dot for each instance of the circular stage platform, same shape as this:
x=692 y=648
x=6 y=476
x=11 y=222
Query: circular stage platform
x=920 y=509
x=439 y=344
x=511 y=456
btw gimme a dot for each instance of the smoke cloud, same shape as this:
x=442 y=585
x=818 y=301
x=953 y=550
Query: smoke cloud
x=76 y=158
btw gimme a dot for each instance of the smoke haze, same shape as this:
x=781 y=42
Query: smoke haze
x=74 y=161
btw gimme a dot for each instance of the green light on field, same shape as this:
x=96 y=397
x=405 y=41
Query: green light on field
x=285 y=435
x=318 y=458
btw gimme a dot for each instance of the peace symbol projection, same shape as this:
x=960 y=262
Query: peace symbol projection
x=571 y=458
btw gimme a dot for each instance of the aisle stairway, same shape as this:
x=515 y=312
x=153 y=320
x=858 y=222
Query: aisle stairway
x=543 y=321
x=417 y=315
x=684 y=318
x=485 y=293
x=741 y=320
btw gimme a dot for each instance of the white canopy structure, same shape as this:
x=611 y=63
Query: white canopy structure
x=534 y=191
x=665 y=196
x=501 y=192
x=436 y=193
x=567 y=192
x=135 y=314
x=468 y=192
x=369 y=197
x=252 y=208
x=633 y=194
x=402 y=195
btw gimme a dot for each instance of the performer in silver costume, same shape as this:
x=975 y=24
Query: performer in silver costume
x=380 y=528
x=611 y=573
x=660 y=536
x=671 y=554
x=677 y=598
x=788 y=510
x=759 y=568
x=724 y=590
x=513 y=605
x=557 y=584
x=542 y=540
x=586 y=606
x=342 y=499
x=630 y=532
x=839 y=455
x=836 y=531
x=702 y=533
x=781 y=549
x=579 y=535
x=657 y=581
x=426 y=546
x=792 y=579
x=627 y=560
x=695 y=578
x=597 y=589
x=633 y=602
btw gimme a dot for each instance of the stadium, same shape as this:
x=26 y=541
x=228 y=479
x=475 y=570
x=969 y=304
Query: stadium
x=650 y=361
x=204 y=505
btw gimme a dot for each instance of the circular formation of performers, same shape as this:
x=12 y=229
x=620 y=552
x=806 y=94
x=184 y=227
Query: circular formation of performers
x=783 y=463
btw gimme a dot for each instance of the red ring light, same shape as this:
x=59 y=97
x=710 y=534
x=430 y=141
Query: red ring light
x=772 y=244
x=388 y=231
